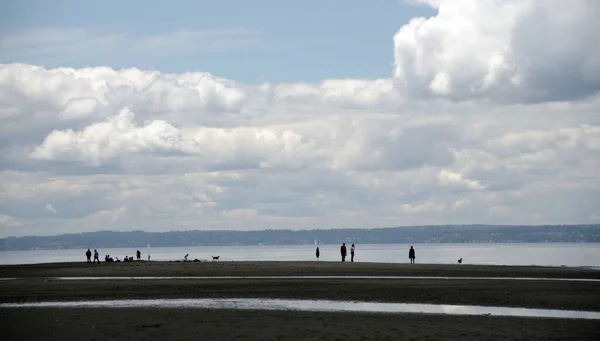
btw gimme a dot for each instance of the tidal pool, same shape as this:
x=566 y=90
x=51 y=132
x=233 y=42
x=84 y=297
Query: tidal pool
x=313 y=305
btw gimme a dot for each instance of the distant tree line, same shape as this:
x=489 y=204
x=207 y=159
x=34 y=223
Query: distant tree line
x=404 y=234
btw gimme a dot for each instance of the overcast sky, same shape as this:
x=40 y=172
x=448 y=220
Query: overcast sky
x=311 y=114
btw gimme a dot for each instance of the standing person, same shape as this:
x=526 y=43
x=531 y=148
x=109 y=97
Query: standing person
x=352 y=253
x=318 y=253
x=96 y=257
x=343 y=252
x=88 y=255
x=411 y=255
x=148 y=257
x=138 y=254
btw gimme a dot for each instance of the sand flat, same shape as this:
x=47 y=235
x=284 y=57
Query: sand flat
x=227 y=268
x=184 y=324
x=33 y=284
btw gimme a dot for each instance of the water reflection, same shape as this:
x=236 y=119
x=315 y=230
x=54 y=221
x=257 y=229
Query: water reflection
x=314 y=305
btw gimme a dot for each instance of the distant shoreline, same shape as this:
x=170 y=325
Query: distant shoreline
x=307 y=244
x=442 y=234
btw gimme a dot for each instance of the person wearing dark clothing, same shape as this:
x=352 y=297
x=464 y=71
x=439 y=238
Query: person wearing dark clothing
x=318 y=253
x=139 y=255
x=411 y=255
x=88 y=255
x=96 y=257
x=343 y=252
x=352 y=253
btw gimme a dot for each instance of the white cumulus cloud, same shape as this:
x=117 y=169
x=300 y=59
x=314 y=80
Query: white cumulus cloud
x=508 y=51
x=50 y=208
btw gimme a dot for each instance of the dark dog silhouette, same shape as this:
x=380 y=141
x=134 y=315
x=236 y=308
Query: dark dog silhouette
x=460 y=261
x=216 y=257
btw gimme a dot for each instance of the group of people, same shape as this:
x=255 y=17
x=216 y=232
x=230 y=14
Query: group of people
x=109 y=259
x=344 y=253
x=88 y=255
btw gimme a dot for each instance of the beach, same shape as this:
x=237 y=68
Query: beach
x=465 y=285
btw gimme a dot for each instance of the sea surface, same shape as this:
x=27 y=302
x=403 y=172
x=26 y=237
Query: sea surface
x=547 y=254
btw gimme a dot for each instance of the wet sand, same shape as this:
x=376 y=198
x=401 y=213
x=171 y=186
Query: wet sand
x=527 y=294
x=184 y=324
x=223 y=268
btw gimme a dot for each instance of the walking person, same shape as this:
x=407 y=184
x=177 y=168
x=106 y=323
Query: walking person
x=343 y=252
x=88 y=255
x=352 y=253
x=318 y=253
x=96 y=257
x=411 y=255
x=138 y=254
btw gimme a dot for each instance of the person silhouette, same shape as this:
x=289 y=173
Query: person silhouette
x=318 y=253
x=352 y=253
x=343 y=252
x=96 y=257
x=411 y=255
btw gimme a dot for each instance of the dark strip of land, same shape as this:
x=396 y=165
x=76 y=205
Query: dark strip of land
x=194 y=324
x=145 y=269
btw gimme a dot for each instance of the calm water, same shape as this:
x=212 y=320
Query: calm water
x=314 y=305
x=565 y=254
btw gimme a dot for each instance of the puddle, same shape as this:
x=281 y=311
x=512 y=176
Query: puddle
x=314 y=305
x=327 y=277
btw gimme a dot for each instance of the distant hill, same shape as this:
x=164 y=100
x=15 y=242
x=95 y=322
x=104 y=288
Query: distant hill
x=404 y=234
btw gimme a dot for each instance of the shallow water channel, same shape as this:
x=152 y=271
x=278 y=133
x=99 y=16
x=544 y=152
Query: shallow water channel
x=313 y=305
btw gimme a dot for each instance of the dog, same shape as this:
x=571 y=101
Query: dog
x=460 y=261
x=215 y=257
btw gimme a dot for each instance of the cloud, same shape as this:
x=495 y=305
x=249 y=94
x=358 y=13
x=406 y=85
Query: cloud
x=7 y=221
x=449 y=178
x=120 y=136
x=461 y=133
x=506 y=51
x=279 y=161
x=50 y=208
x=349 y=93
x=85 y=92
x=426 y=207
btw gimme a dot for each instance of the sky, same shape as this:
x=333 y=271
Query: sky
x=244 y=115
x=250 y=42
